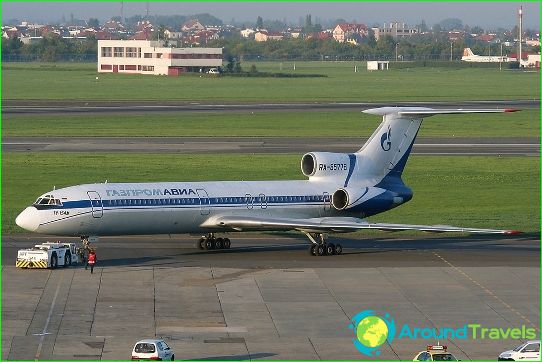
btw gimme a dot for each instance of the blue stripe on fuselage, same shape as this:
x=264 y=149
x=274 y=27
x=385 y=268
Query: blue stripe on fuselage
x=194 y=201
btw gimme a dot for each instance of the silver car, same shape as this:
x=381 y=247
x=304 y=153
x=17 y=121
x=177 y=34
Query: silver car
x=152 y=349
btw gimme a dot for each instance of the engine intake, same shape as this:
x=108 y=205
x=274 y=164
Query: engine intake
x=308 y=164
x=326 y=164
x=340 y=199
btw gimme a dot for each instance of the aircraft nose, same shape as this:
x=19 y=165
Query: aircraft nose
x=28 y=219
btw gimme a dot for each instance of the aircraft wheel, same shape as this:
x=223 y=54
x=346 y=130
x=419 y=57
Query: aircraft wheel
x=209 y=244
x=227 y=243
x=320 y=250
x=219 y=243
x=338 y=249
x=67 y=259
x=312 y=249
x=330 y=249
x=201 y=243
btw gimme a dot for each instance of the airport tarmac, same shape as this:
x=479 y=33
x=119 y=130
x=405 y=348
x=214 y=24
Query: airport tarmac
x=266 y=297
x=511 y=146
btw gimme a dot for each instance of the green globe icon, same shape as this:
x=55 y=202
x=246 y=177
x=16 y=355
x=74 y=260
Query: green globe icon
x=372 y=331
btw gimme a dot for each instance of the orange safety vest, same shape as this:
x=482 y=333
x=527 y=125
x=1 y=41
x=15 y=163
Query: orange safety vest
x=92 y=258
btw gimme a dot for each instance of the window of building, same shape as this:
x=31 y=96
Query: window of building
x=121 y=67
x=106 y=67
x=131 y=52
x=147 y=68
x=147 y=55
x=118 y=52
x=106 y=52
x=130 y=67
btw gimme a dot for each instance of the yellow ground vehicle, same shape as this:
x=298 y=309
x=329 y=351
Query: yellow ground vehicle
x=50 y=255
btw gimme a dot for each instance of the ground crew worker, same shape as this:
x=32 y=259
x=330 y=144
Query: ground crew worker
x=91 y=261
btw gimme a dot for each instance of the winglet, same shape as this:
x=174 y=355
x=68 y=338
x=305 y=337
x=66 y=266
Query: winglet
x=512 y=232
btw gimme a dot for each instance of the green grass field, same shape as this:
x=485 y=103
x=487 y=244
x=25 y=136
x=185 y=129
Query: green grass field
x=61 y=81
x=277 y=124
x=464 y=191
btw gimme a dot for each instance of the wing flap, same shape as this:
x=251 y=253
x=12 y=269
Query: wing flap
x=330 y=224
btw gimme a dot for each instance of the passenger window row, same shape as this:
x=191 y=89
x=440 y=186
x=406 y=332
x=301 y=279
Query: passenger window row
x=216 y=200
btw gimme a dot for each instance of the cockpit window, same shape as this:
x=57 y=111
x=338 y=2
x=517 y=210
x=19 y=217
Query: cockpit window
x=47 y=200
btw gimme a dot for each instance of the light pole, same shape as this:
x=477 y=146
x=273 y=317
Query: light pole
x=451 y=50
x=500 y=59
x=396 y=52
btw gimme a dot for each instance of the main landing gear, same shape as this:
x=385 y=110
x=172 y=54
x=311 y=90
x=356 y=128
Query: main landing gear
x=209 y=242
x=321 y=248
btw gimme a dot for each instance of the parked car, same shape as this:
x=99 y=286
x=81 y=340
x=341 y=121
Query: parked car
x=528 y=351
x=213 y=71
x=152 y=349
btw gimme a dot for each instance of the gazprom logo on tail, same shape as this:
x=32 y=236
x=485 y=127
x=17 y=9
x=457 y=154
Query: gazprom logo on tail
x=385 y=140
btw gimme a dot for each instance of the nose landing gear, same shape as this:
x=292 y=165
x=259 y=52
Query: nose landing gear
x=321 y=248
x=210 y=242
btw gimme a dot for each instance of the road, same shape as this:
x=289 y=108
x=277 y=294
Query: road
x=12 y=107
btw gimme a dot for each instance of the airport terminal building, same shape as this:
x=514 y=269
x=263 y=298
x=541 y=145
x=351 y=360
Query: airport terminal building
x=152 y=57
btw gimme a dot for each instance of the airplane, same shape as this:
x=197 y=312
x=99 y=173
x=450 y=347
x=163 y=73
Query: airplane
x=340 y=191
x=469 y=56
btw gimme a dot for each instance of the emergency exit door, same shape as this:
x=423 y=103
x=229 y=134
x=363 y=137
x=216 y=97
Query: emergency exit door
x=204 y=202
x=96 y=204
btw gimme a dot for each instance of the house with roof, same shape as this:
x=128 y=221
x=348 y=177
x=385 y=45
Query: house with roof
x=342 y=31
x=247 y=33
x=192 y=25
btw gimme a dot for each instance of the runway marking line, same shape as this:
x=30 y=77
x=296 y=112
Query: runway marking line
x=488 y=291
x=44 y=332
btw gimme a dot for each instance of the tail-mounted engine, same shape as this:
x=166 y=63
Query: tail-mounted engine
x=346 y=198
x=368 y=200
x=327 y=164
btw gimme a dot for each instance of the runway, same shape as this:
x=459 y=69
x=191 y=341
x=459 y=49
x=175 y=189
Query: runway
x=267 y=298
x=12 y=107
x=511 y=146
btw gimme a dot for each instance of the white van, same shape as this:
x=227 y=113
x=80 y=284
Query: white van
x=528 y=351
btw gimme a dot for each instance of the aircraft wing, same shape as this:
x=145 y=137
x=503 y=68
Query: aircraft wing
x=330 y=224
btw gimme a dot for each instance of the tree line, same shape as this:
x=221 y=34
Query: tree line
x=420 y=47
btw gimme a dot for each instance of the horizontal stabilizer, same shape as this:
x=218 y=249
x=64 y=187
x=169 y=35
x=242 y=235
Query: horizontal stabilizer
x=423 y=112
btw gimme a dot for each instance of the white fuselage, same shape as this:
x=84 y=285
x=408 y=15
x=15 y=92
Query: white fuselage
x=175 y=207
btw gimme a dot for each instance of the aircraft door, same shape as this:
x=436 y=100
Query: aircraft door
x=263 y=201
x=96 y=204
x=204 y=202
x=250 y=201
